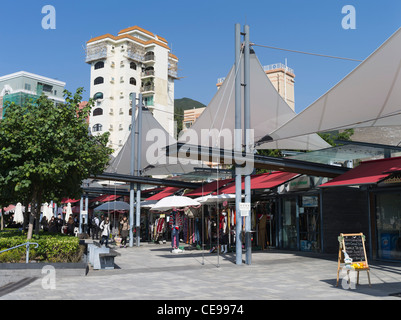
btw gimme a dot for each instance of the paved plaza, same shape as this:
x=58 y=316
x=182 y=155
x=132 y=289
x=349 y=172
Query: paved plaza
x=152 y=271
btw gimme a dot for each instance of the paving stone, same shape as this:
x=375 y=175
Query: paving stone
x=151 y=272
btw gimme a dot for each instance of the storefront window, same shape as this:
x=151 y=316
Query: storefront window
x=289 y=224
x=388 y=215
x=309 y=224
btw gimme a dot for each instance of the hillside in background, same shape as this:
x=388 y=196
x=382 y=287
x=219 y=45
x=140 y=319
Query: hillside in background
x=184 y=104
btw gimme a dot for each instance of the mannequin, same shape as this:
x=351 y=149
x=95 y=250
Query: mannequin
x=175 y=223
x=223 y=232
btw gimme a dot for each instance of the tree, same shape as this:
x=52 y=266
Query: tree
x=46 y=152
x=330 y=137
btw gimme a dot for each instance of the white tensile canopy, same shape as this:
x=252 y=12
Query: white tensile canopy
x=267 y=108
x=153 y=156
x=369 y=96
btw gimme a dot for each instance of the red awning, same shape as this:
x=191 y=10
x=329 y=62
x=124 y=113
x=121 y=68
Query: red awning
x=165 y=193
x=106 y=198
x=66 y=200
x=262 y=181
x=368 y=172
x=209 y=188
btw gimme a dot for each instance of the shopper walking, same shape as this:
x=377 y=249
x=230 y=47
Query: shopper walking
x=95 y=227
x=105 y=228
x=124 y=227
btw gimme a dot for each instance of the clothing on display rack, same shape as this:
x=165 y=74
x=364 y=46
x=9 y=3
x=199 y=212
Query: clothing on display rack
x=175 y=224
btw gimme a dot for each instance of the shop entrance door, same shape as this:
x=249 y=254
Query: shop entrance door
x=309 y=228
x=289 y=223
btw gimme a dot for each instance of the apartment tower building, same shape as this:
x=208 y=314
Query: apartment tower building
x=23 y=87
x=136 y=60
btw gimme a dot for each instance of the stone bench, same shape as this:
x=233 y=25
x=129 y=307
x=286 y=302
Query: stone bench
x=101 y=257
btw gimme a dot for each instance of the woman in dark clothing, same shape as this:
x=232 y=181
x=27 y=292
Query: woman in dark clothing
x=52 y=225
x=70 y=226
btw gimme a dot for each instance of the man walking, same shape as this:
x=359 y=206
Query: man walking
x=95 y=227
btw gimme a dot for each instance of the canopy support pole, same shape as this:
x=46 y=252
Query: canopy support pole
x=237 y=144
x=138 y=171
x=132 y=169
x=248 y=147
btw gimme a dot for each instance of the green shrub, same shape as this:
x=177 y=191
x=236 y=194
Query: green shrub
x=52 y=247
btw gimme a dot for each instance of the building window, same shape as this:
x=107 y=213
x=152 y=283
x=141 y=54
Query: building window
x=99 y=65
x=148 y=101
x=27 y=86
x=98 y=112
x=97 y=127
x=150 y=55
x=132 y=81
x=98 y=95
x=132 y=65
x=98 y=80
x=47 y=88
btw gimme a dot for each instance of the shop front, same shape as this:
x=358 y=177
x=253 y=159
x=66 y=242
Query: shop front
x=387 y=213
x=299 y=215
x=388 y=225
x=380 y=181
x=300 y=223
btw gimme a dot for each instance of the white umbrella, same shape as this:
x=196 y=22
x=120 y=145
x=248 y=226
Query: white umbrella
x=147 y=203
x=174 y=202
x=215 y=198
x=45 y=210
x=68 y=212
x=113 y=205
x=18 y=215
x=49 y=212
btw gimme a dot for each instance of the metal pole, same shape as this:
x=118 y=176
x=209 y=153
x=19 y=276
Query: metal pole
x=237 y=144
x=218 y=235
x=132 y=169
x=138 y=171
x=203 y=233
x=81 y=207
x=247 y=127
x=27 y=253
x=87 y=213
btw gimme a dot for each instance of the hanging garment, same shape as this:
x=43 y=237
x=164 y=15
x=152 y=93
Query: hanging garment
x=175 y=220
x=262 y=235
x=209 y=229
x=185 y=229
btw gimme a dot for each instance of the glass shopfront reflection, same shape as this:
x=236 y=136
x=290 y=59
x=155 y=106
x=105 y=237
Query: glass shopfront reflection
x=388 y=218
x=289 y=223
x=309 y=224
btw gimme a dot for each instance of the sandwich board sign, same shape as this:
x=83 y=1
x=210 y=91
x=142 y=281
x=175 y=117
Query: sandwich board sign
x=352 y=253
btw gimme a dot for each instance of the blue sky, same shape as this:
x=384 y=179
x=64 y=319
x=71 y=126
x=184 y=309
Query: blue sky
x=201 y=34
